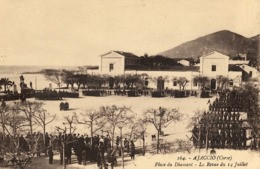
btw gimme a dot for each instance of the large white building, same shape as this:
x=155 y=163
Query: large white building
x=212 y=65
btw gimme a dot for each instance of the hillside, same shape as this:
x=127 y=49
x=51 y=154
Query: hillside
x=226 y=42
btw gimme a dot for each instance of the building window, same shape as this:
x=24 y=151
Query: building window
x=250 y=73
x=174 y=82
x=111 y=67
x=213 y=68
x=231 y=82
x=195 y=84
x=146 y=82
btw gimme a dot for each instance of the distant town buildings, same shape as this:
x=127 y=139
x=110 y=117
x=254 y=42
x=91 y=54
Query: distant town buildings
x=184 y=62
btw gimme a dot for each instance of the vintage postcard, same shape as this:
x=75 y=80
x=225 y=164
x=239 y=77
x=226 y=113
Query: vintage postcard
x=131 y=84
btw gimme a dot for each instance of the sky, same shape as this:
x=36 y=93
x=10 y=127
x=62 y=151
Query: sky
x=76 y=32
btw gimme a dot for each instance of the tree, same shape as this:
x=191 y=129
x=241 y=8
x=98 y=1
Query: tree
x=161 y=117
x=202 y=81
x=182 y=82
x=6 y=83
x=65 y=141
x=132 y=81
x=93 y=119
x=43 y=118
x=251 y=91
x=223 y=82
x=29 y=109
x=85 y=80
x=70 y=120
x=15 y=123
x=118 y=80
x=3 y=112
x=115 y=116
x=139 y=131
x=55 y=77
x=97 y=80
x=67 y=78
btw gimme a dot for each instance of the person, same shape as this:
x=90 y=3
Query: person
x=213 y=151
x=61 y=106
x=195 y=136
x=66 y=106
x=126 y=145
x=84 y=156
x=61 y=154
x=31 y=85
x=50 y=154
x=132 y=150
x=208 y=101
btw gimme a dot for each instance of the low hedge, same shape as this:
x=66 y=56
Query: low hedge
x=133 y=93
x=64 y=94
x=47 y=95
x=92 y=93
x=10 y=97
x=158 y=94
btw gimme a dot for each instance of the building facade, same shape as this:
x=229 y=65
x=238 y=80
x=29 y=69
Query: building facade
x=212 y=65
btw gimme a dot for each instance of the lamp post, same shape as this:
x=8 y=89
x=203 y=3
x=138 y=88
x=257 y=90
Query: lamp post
x=120 y=126
x=159 y=115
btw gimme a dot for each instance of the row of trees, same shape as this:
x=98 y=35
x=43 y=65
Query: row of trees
x=128 y=81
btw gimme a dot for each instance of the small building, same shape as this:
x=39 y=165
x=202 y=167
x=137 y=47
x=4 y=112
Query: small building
x=238 y=62
x=216 y=64
x=116 y=62
x=249 y=71
x=184 y=62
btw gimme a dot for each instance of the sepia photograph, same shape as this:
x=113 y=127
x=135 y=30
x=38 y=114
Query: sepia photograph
x=129 y=84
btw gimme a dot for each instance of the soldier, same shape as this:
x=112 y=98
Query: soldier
x=47 y=141
x=87 y=140
x=61 y=106
x=126 y=145
x=61 y=154
x=84 y=156
x=132 y=151
x=225 y=116
x=228 y=136
x=234 y=139
x=244 y=139
x=50 y=154
x=223 y=138
x=195 y=134
x=117 y=144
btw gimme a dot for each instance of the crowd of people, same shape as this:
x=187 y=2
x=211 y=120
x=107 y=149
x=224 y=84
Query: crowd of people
x=64 y=106
x=222 y=126
x=97 y=149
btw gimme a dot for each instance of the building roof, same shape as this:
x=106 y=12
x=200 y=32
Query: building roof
x=125 y=54
x=215 y=55
x=238 y=62
x=169 y=68
x=234 y=68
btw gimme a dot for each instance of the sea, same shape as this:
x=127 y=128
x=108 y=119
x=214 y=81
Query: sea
x=39 y=82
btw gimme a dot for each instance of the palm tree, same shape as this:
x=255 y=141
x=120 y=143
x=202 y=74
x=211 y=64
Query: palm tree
x=6 y=83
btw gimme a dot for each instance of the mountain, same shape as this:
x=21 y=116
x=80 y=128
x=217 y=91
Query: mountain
x=225 y=42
